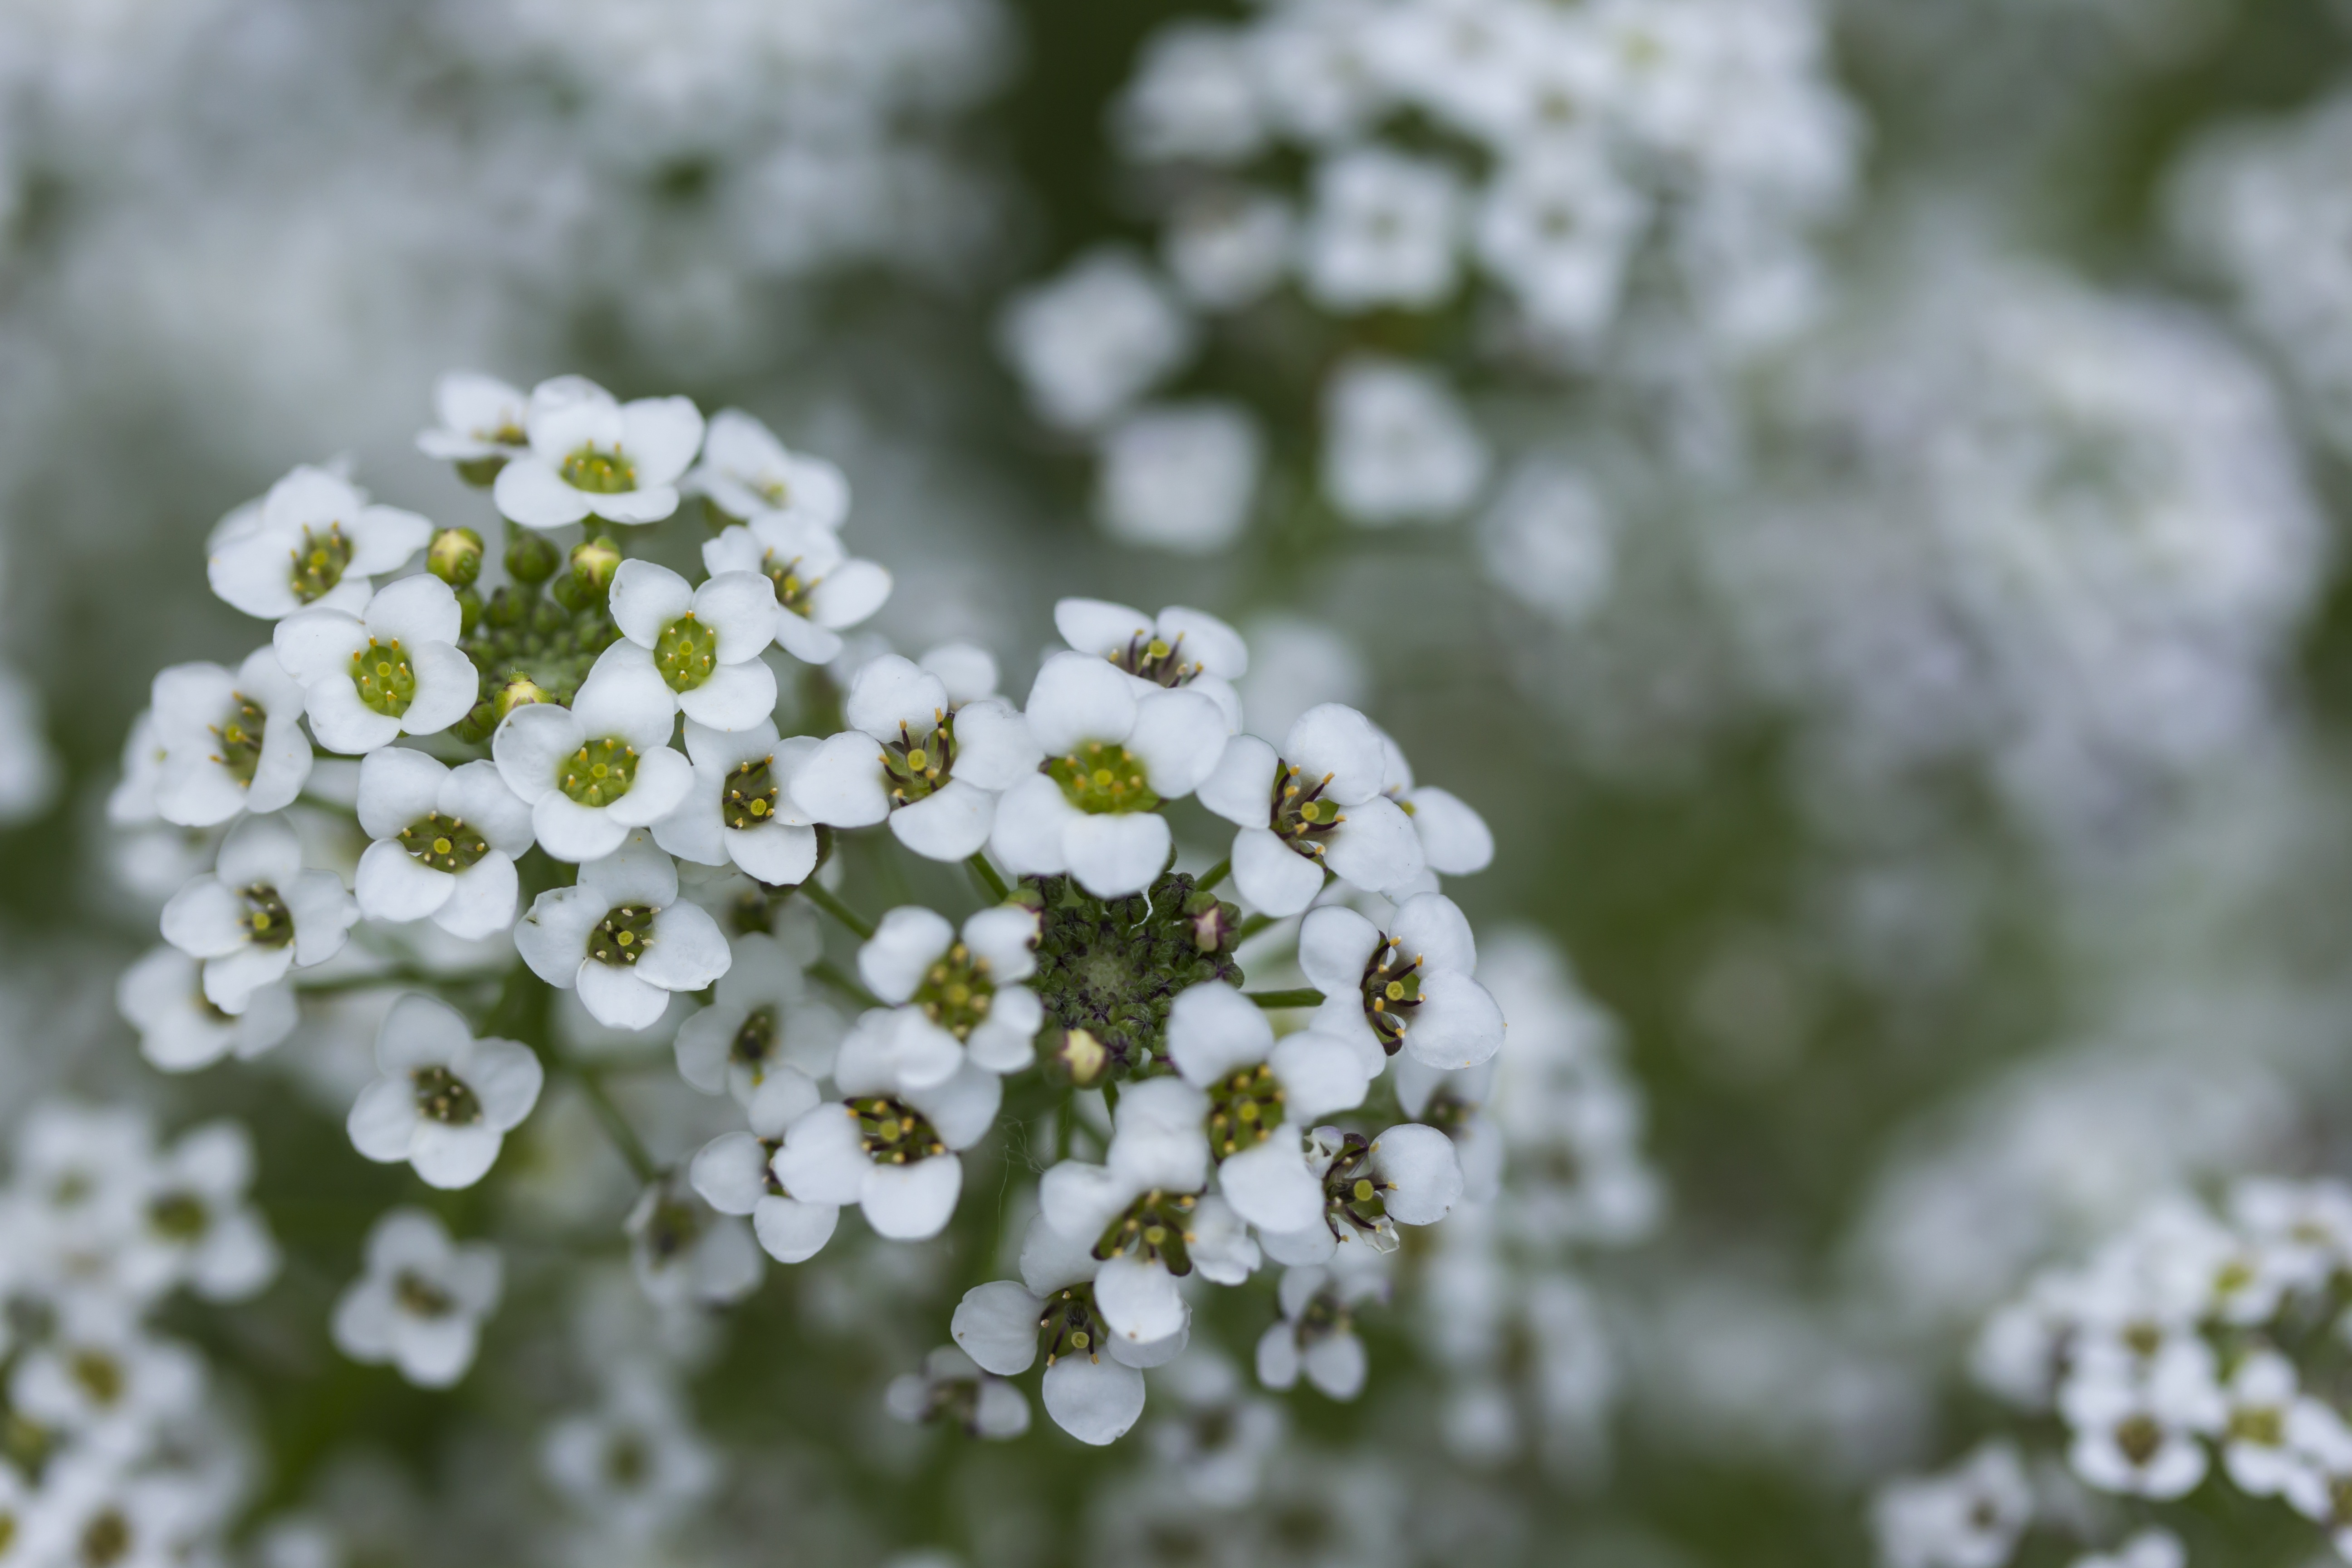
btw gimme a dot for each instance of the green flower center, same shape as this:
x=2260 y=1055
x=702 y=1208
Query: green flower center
x=318 y=565
x=240 y=731
x=600 y=772
x=385 y=681
x=105 y=1540
x=755 y=1042
x=685 y=653
x=793 y=590
x=1111 y=967
x=920 y=765
x=443 y=1097
x=599 y=473
x=956 y=991
x=622 y=937
x=2139 y=1437
x=1351 y=1193
x=893 y=1133
x=444 y=843
x=670 y=1229
x=1156 y=659
x=2265 y=1427
x=627 y=1463
x=267 y=923
x=178 y=1217
x=1301 y=817
x=750 y=797
x=420 y=1296
x=99 y=1375
x=1156 y=1229
x=1244 y=1108
x=1072 y=1325
x=1391 y=991
x=1101 y=779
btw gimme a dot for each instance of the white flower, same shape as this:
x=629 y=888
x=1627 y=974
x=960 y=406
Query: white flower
x=446 y=1100
x=1410 y=1174
x=1114 y=757
x=888 y=1146
x=1317 y=1335
x=1181 y=475
x=1177 y=648
x=2321 y=1440
x=445 y=843
x=1316 y=805
x=966 y=669
x=1970 y=1516
x=2151 y=1548
x=137 y=1518
x=683 y=1252
x=1549 y=542
x=1383 y=230
x=620 y=937
x=313 y=542
x=101 y=1375
x=1220 y=1440
x=196 y=1225
x=820 y=588
x=592 y=772
x=1454 y=839
x=762 y=1020
x=1412 y=986
x=735 y=1172
x=1228 y=248
x=1191 y=98
x=739 y=807
x=1557 y=224
x=2260 y=1394
x=951 y=1386
x=745 y=471
x=228 y=743
x=593 y=456
x=2303 y=1230
x=421 y=1302
x=934 y=771
x=636 y=1464
x=1091 y=341
x=79 y=1171
x=163 y=995
x=481 y=420
x=964 y=998
x=704 y=643
x=1455 y=1099
x=391 y=670
x=1262 y=1096
x=2140 y=1435
x=259 y=913
x=1398 y=446
x=1135 y=1209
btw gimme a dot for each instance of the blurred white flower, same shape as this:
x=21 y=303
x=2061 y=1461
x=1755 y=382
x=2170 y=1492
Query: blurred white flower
x=421 y=1302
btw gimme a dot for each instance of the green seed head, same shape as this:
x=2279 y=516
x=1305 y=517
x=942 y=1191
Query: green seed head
x=443 y=1097
x=240 y=734
x=893 y=1133
x=749 y=797
x=956 y=991
x=266 y=923
x=919 y=765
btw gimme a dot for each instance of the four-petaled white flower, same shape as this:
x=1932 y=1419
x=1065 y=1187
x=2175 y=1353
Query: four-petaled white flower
x=1136 y=1209
x=313 y=542
x=745 y=471
x=890 y=1147
x=1410 y=1174
x=740 y=805
x=1112 y=758
x=684 y=1252
x=2139 y=1433
x=1315 y=805
x=760 y=1016
x=421 y=1302
x=196 y=1224
x=962 y=997
x=482 y=421
x=446 y=1100
x=257 y=914
x=1454 y=839
x=820 y=587
x=703 y=642
x=1385 y=231
x=735 y=1172
x=1190 y=648
x=1316 y=1335
x=163 y=995
x=2259 y=1394
x=634 y=1464
x=229 y=742
x=622 y=938
x=391 y=670
x=445 y=843
x=934 y=770
x=952 y=1387
x=592 y=772
x=591 y=456
x=1412 y=986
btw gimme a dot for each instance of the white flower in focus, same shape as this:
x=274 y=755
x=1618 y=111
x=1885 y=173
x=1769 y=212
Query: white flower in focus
x=259 y=913
x=635 y=1465
x=1226 y=249
x=1112 y=759
x=1412 y=986
x=683 y=1252
x=739 y=807
x=1181 y=475
x=228 y=743
x=760 y=1019
x=2151 y=1548
x=196 y=1224
x=446 y=1100
x=392 y=669
x=1135 y=1210
x=1384 y=230
x=620 y=937
x=952 y=1387
x=703 y=642
x=1316 y=1335
x=163 y=995
x=735 y=1172
x=1398 y=446
x=965 y=990
x=1088 y=343
x=1177 y=648
x=313 y=542
x=1410 y=1174
x=592 y=772
x=1969 y=1517
x=420 y=1303
x=1454 y=839
x=1191 y=98
x=935 y=771
x=446 y=842
x=1557 y=224
x=593 y=456
x=745 y=473
x=820 y=588
x=481 y=424
x=1315 y=805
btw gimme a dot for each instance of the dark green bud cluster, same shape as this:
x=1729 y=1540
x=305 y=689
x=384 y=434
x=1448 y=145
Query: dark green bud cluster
x=1111 y=967
x=537 y=638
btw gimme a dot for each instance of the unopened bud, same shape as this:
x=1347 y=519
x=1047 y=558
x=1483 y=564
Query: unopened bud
x=1213 y=924
x=455 y=556
x=520 y=691
x=531 y=557
x=469 y=612
x=593 y=562
x=480 y=472
x=1080 y=1058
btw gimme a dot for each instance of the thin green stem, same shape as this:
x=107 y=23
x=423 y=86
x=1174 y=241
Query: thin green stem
x=616 y=1126
x=1064 y=1120
x=989 y=880
x=818 y=894
x=1305 y=997
x=1251 y=927
x=841 y=979
x=1110 y=1098
x=1213 y=875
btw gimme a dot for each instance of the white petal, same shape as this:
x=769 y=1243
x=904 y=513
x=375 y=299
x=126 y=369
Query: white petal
x=506 y=1077
x=482 y=903
x=415 y=610
x=906 y=942
x=1321 y=1075
x=1335 y=944
x=341 y=723
x=1374 y=847
x=822 y=1160
x=646 y=598
x=618 y=999
x=453 y=1157
x=687 y=950
x=949 y=825
x=735 y=695
x=391 y=885
x=1115 y=854
x=841 y=783
x=1241 y=787
x=1005 y=935
x=204 y=920
x=1100 y=626
x=993 y=747
x=1213 y=1030
x=322 y=913
x=1094 y=1401
x=1454 y=839
x=625 y=697
x=383 y=1121
x=553 y=937
x=1421 y=1172
x=1139 y=1299
x=731 y=1172
x=318 y=644
x=779 y=856
x=1201 y=638
x=1335 y=1364
x=661 y=434
x=569 y=831
x=791 y=1231
x=1277 y=1357
x=1335 y=740
x=1079 y=1200
x=914 y=1201
x=1077 y=698
x=530 y=745
x=740 y=608
x=397 y=786
x=1432 y=928
x=1270 y=1187
x=1032 y=819
x=892 y=691
x=1179 y=736
x=1457 y=1023
x=964 y=1107
x=530 y=491
x=848 y=594
x=1272 y=877
x=231 y=980
x=805 y=641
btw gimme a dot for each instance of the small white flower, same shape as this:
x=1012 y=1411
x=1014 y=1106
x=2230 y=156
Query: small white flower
x=1220 y=1440
x=1317 y=1335
x=1398 y=446
x=1191 y=98
x=635 y=1465
x=952 y=1387
x=196 y=1224
x=1410 y=1174
x=2140 y=1437
x=761 y=1018
x=1113 y=758
x=934 y=771
x=228 y=743
x=2151 y=1548
x=592 y=772
x=1227 y=248
x=1414 y=987
x=421 y=1300
x=704 y=643
x=591 y=456
x=2260 y=1395
x=392 y=668
x=622 y=938
x=1454 y=839
x=1177 y=648
x=103 y=1379
x=887 y=1146
x=481 y=421
x=259 y=913
x=313 y=542
x=79 y=1171
x=1454 y=1100
x=966 y=993
x=740 y=809
x=1557 y=226
x=820 y=588
x=1384 y=230
x=735 y=1172
x=683 y=1252
x=1969 y=1517
x=1317 y=805
x=163 y=995
x=966 y=670
x=1549 y=541
x=1135 y=1209
x=138 y=1519
x=445 y=843
x=1181 y=475
x=446 y=1100
x=746 y=471
x=1089 y=342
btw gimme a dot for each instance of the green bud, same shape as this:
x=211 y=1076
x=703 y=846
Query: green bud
x=455 y=556
x=518 y=692
x=479 y=472
x=593 y=562
x=469 y=607
x=531 y=557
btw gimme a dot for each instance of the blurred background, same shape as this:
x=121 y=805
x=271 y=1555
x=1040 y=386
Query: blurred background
x=1866 y=537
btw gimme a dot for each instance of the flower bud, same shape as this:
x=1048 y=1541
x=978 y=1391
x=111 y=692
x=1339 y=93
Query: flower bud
x=455 y=556
x=593 y=562
x=480 y=472
x=518 y=692
x=531 y=557
x=1080 y=1058
x=1214 y=924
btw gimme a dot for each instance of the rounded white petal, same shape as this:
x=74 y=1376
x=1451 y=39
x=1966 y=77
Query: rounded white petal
x=394 y=884
x=1375 y=847
x=1454 y=839
x=1335 y=945
x=731 y=1172
x=1093 y=1401
x=453 y=1157
x=1179 y=736
x=1201 y=638
x=1271 y=877
x=1115 y=854
x=482 y=901
x=1420 y=1172
x=1270 y=1185
x=1335 y=740
x=506 y=1077
x=1077 y=699
x=841 y=784
x=949 y=825
x=661 y=434
x=687 y=950
x=1213 y=1030
x=662 y=779
x=575 y=833
x=1005 y=935
x=914 y=1201
x=791 y=1231
x=530 y=745
x=1432 y=927
x=1239 y=788
x=848 y=594
x=1320 y=1074
x=397 y=786
x=822 y=1160
x=1033 y=820
x=1100 y=626
x=779 y=856
x=892 y=691
x=735 y=695
x=1139 y=1300
x=993 y=747
x=646 y=598
x=906 y=942
x=529 y=491
x=383 y=1121
x=1335 y=1364
x=1457 y=1023
x=618 y=999
x=415 y=610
